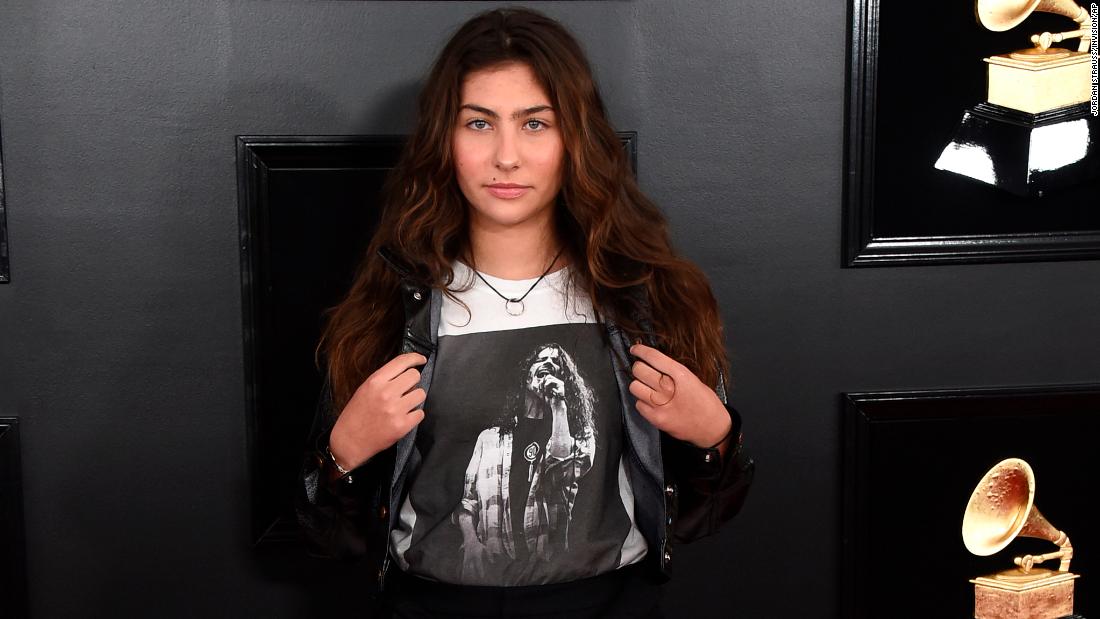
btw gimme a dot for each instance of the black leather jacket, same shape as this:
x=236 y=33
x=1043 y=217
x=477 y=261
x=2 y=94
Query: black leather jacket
x=683 y=492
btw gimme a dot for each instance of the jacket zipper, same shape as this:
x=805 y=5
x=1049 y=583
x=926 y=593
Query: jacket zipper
x=382 y=572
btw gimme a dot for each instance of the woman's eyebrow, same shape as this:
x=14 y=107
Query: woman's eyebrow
x=517 y=114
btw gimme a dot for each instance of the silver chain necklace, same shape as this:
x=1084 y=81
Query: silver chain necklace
x=509 y=302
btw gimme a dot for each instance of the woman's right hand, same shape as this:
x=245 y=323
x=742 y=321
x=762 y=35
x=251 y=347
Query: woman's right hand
x=380 y=412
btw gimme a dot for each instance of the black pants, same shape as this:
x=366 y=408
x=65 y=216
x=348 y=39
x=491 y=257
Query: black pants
x=626 y=593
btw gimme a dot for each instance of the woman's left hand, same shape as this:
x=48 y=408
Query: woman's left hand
x=672 y=398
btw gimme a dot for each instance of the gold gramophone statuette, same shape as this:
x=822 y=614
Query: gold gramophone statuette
x=1001 y=509
x=1041 y=78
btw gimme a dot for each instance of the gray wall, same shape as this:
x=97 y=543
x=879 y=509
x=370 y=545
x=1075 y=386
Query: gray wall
x=120 y=338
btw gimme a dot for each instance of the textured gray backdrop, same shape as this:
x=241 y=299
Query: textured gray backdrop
x=120 y=336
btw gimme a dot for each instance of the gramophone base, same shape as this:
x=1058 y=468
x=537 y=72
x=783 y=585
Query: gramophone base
x=1039 y=85
x=1025 y=154
x=1046 y=598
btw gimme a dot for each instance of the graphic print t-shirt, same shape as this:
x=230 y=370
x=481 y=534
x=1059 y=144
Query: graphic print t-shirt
x=518 y=477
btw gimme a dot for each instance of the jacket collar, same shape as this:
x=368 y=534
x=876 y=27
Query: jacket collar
x=396 y=262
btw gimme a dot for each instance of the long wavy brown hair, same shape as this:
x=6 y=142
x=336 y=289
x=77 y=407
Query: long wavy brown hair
x=616 y=238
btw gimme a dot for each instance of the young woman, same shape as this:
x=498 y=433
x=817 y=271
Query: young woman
x=525 y=401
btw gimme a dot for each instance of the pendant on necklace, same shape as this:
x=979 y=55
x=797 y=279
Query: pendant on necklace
x=508 y=303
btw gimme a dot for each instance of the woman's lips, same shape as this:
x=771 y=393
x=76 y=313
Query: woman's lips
x=508 y=192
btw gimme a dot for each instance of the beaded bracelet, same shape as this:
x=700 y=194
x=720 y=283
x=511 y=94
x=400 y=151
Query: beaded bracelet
x=343 y=472
x=720 y=441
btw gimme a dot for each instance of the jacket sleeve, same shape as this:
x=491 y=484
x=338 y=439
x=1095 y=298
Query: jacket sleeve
x=337 y=514
x=710 y=489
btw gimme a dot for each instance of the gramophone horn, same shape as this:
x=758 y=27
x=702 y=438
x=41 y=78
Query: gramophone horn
x=1001 y=15
x=1002 y=508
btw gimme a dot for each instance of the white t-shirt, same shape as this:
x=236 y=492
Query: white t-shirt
x=517 y=477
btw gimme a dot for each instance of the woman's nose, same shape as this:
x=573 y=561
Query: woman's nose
x=507 y=155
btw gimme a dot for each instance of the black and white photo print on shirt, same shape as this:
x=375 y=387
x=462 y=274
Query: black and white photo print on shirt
x=519 y=477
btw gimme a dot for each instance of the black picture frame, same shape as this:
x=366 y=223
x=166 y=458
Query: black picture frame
x=13 y=575
x=911 y=72
x=307 y=207
x=298 y=206
x=910 y=462
x=5 y=265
